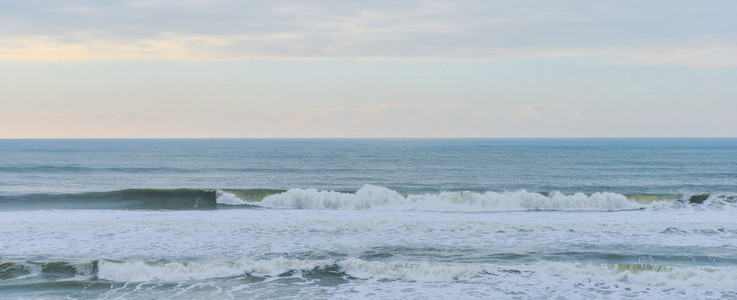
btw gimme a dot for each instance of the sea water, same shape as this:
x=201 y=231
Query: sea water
x=369 y=218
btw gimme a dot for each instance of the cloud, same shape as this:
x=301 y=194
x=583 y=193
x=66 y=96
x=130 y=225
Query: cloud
x=383 y=112
x=707 y=56
x=97 y=116
x=536 y=112
x=40 y=48
x=551 y=114
x=578 y=113
x=702 y=34
x=392 y=120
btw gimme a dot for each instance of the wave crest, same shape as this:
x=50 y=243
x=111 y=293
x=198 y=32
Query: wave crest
x=420 y=271
x=367 y=197
x=376 y=197
x=182 y=271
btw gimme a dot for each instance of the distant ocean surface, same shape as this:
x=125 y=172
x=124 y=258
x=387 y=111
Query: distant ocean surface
x=369 y=218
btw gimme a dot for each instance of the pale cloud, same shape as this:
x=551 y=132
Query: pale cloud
x=551 y=114
x=96 y=124
x=536 y=112
x=625 y=32
x=703 y=56
x=383 y=112
x=393 y=120
x=578 y=113
x=529 y=112
x=398 y=113
x=44 y=48
x=100 y=115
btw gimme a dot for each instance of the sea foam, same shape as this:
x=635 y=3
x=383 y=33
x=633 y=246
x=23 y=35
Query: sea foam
x=381 y=198
x=409 y=270
x=424 y=271
x=227 y=198
x=181 y=271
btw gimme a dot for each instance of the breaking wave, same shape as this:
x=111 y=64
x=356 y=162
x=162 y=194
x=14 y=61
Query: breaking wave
x=49 y=270
x=381 y=198
x=419 y=271
x=178 y=271
x=369 y=197
x=375 y=197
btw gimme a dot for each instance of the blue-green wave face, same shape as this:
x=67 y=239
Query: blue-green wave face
x=169 y=199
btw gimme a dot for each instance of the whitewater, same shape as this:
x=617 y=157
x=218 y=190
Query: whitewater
x=376 y=219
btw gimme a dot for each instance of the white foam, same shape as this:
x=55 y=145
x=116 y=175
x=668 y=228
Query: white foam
x=647 y=274
x=545 y=273
x=367 y=197
x=222 y=197
x=726 y=201
x=381 y=198
x=84 y=268
x=636 y=274
x=416 y=271
x=182 y=271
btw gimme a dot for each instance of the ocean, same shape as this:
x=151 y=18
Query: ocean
x=632 y=218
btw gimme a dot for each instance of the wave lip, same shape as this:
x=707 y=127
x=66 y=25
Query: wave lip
x=243 y=197
x=635 y=274
x=57 y=270
x=418 y=271
x=21 y=270
x=638 y=274
x=715 y=201
x=381 y=198
x=183 y=271
x=408 y=270
x=648 y=274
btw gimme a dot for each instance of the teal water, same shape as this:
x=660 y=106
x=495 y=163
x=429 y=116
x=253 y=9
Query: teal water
x=631 y=166
x=369 y=218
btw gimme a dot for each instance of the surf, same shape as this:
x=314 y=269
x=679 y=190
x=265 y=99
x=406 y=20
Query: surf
x=368 y=197
x=646 y=274
x=371 y=197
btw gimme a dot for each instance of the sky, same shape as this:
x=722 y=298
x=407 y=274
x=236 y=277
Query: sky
x=230 y=69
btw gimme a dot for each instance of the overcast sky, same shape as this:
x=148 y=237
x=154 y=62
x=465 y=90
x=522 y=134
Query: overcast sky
x=198 y=68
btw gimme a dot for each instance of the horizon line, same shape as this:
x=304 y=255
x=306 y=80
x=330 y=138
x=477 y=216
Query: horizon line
x=375 y=138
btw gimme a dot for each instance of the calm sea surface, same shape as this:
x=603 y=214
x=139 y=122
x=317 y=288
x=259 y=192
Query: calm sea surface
x=369 y=218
